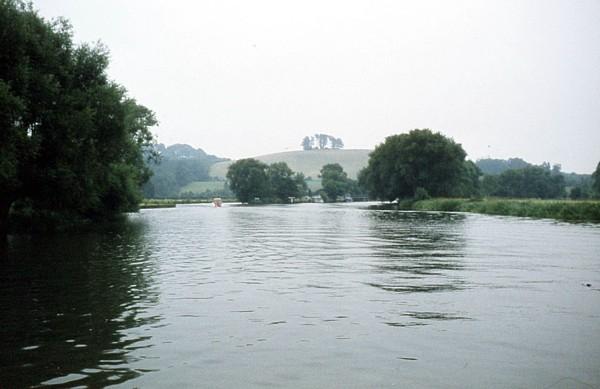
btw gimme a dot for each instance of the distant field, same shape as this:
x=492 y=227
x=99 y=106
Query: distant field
x=203 y=186
x=308 y=162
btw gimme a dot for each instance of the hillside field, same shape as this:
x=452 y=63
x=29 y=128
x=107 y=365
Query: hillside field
x=308 y=162
x=203 y=186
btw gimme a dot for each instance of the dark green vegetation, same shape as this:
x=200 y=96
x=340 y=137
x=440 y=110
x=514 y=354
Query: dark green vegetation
x=420 y=163
x=254 y=181
x=321 y=141
x=528 y=182
x=497 y=166
x=180 y=166
x=515 y=177
x=336 y=184
x=71 y=140
x=334 y=180
x=556 y=209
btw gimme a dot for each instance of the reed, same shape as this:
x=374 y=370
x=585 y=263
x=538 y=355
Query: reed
x=568 y=210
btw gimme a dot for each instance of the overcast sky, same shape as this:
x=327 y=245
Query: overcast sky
x=243 y=78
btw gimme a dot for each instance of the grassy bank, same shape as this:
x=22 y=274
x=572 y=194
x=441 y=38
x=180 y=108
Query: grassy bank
x=569 y=210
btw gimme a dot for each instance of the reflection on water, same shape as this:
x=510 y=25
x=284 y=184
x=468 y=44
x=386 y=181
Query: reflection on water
x=68 y=303
x=420 y=252
x=311 y=295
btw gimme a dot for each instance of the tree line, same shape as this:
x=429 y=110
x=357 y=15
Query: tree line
x=255 y=181
x=422 y=164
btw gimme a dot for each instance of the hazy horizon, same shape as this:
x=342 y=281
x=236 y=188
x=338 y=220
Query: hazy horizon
x=239 y=79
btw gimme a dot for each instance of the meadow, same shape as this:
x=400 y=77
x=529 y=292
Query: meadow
x=308 y=162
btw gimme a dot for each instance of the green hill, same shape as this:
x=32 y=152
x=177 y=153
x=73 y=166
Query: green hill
x=308 y=162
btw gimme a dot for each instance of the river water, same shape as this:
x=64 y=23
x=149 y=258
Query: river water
x=304 y=296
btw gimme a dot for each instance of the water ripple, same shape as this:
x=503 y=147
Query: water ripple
x=268 y=295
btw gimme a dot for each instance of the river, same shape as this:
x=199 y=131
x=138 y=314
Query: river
x=304 y=296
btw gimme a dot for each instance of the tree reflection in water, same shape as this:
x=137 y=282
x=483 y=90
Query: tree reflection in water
x=74 y=307
x=418 y=253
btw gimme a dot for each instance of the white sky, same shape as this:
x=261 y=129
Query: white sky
x=507 y=78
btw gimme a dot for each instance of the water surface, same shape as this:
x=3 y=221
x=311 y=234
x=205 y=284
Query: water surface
x=311 y=295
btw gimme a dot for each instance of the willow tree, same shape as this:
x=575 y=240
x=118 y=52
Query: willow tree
x=420 y=159
x=71 y=140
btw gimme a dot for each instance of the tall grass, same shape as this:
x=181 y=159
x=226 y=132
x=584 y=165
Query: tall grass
x=568 y=210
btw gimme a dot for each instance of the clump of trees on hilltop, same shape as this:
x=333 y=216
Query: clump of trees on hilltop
x=252 y=180
x=322 y=141
x=71 y=140
x=418 y=165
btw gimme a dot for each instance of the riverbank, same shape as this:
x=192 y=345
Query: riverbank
x=568 y=210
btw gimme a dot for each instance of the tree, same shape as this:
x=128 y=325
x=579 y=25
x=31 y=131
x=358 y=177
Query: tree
x=419 y=159
x=248 y=179
x=283 y=184
x=322 y=140
x=307 y=143
x=576 y=193
x=334 y=181
x=489 y=185
x=336 y=143
x=497 y=166
x=71 y=140
x=596 y=178
x=531 y=182
x=301 y=186
x=469 y=184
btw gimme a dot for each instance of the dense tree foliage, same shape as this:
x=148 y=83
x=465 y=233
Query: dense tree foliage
x=282 y=181
x=497 y=166
x=321 y=141
x=529 y=182
x=579 y=185
x=511 y=184
x=469 y=184
x=419 y=159
x=250 y=179
x=70 y=140
x=334 y=181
